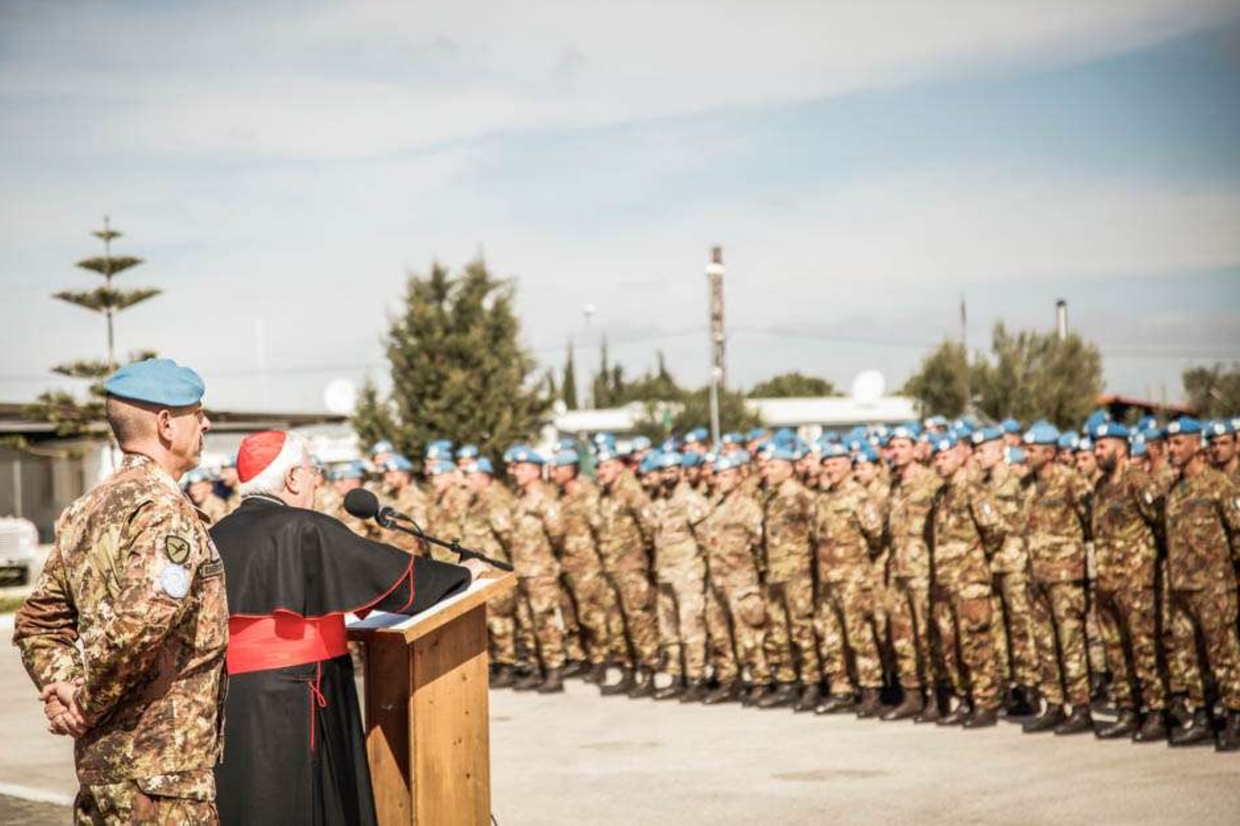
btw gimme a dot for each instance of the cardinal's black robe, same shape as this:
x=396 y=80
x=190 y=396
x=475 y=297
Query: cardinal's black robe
x=293 y=747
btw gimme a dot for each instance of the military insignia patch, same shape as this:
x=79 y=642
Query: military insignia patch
x=176 y=549
x=175 y=581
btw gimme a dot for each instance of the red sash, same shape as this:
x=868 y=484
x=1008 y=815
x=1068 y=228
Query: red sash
x=264 y=643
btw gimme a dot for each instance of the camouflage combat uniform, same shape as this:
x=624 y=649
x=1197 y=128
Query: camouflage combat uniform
x=966 y=522
x=1203 y=530
x=1056 y=512
x=593 y=601
x=680 y=572
x=624 y=534
x=1125 y=514
x=908 y=575
x=136 y=581
x=446 y=510
x=1017 y=655
x=847 y=534
x=791 y=644
x=538 y=571
x=487 y=528
x=735 y=609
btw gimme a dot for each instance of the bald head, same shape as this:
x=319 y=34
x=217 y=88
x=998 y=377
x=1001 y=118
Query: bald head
x=133 y=422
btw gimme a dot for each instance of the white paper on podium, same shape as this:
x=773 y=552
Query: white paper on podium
x=382 y=619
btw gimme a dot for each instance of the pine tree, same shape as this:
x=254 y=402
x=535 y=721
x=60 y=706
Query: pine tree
x=1213 y=391
x=70 y=416
x=458 y=370
x=790 y=385
x=568 y=387
x=941 y=386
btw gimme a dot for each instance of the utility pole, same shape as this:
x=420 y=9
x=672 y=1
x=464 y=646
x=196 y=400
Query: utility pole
x=964 y=343
x=714 y=277
x=1061 y=319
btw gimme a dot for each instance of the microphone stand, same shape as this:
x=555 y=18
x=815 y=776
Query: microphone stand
x=389 y=519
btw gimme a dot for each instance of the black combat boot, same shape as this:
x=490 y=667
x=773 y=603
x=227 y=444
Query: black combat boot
x=725 y=693
x=1229 y=737
x=957 y=715
x=694 y=692
x=836 y=704
x=623 y=687
x=574 y=668
x=1178 y=714
x=1078 y=722
x=597 y=675
x=1124 y=726
x=871 y=704
x=672 y=690
x=810 y=697
x=908 y=708
x=1051 y=717
x=530 y=681
x=554 y=682
x=1153 y=728
x=504 y=676
x=643 y=684
x=1198 y=732
x=784 y=695
x=1023 y=702
x=982 y=718
x=930 y=710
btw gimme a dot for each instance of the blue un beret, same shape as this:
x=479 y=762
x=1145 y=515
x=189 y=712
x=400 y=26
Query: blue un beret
x=1109 y=430
x=1219 y=427
x=1184 y=426
x=483 y=465
x=397 y=462
x=467 y=452
x=692 y=459
x=436 y=467
x=565 y=457
x=518 y=454
x=1042 y=433
x=156 y=381
x=986 y=434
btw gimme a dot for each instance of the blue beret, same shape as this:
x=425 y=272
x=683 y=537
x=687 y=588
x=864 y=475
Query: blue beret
x=1146 y=422
x=903 y=431
x=1154 y=433
x=938 y=444
x=963 y=428
x=936 y=421
x=482 y=465
x=523 y=454
x=1085 y=445
x=1016 y=456
x=1138 y=448
x=566 y=443
x=397 y=462
x=438 y=449
x=1218 y=427
x=757 y=433
x=640 y=443
x=670 y=445
x=649 y=462
x=565 y=457
x=435 y=467
x=606 y=454
x=784 y=453
x=733 y=438
x=1096 y=418
x=738 y=458
x=156 y=381
x=669 y=459
x=351 y=470
x=986 y=434
x=692 y=459
x=1069 y=440
x=785 y=435
x=1110 y=430
x=1010 y=425
x=867 y=456
x=1042 y=433
x=697 y=434
x=830 y=436
x=382 y=446
x=467 y=452
x=834 y=450
x=1184 y=426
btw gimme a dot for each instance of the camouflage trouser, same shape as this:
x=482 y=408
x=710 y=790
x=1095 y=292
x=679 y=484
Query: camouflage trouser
x=639 y=628
x=1211 y=616
x=1017 y=655
x=114 y=804
x=1183 y=675
x=848 y=627
x=791 y=642
x=594 y=602
x=737 y=614
x=1096 y=646
x=1127 y=620
x=1059 y=632
x=574 y=644
x=502 y=629
x=908 y=618
x=542 y=596
x=682 y=625
x=963 y=616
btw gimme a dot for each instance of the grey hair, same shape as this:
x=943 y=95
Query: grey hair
x=271 y=480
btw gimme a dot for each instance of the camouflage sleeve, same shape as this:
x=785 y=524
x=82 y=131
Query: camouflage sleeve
x=1082 y=495
x=642 y=513
x=870 y=520
x=990 y=521
x=553 y=521
x=499 y=517
x=1149 y=499
x=127 y=634
x=1229 y=501
x=45 y=628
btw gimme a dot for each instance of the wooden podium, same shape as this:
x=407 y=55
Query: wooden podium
x=427 y=709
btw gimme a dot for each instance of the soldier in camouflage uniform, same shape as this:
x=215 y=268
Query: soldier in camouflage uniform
x=537 y=569
x=405 y=496
x=1203 y=534
x=487 y=527
x=200 y=489
x=968 y=527
x=1221 y=439
x=1056 y=513
x=126 y=630
x=624 y=534
x=1017 y=656
x=448 y=500
x=735 y=607
x=593 y=600
x=847 y=533
x=680 y=573
x=908 y=576
x=1126 y=514
x=791 y=643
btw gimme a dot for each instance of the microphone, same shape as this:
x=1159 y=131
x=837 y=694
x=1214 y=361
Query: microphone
x=363 y=504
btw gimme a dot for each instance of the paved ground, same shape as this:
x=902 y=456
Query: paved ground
x=580 y=758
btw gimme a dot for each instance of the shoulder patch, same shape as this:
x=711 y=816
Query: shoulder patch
x=174 y=580
x=210 y=570
x=177 y=549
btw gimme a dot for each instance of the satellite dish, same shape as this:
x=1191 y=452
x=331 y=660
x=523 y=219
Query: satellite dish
x=868 y=387
x=340 y=396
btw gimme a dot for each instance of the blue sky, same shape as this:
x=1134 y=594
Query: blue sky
x=864 y=167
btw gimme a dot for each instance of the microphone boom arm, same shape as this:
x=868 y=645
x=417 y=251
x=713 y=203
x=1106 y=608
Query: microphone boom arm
x=390 y=518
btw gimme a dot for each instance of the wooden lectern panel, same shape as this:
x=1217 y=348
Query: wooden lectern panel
x=389 y=708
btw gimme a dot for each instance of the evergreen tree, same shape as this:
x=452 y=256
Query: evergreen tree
x=792 y=385
x=733 y=413
x=458 y=370
x=1213 y=391
x=941 y=385
x=568 y=387
x=61 y=408
x=1032 y=375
